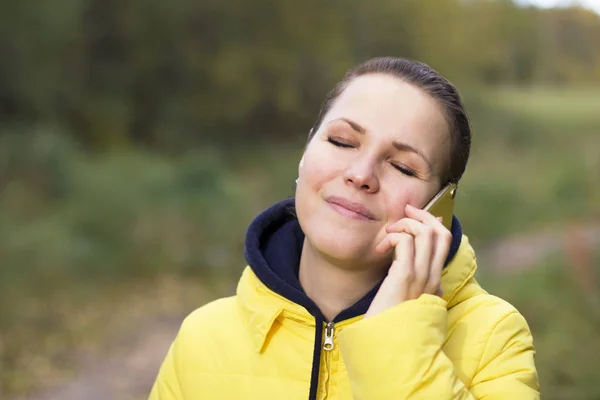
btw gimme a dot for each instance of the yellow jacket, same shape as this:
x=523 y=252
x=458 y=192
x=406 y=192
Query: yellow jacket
x=261 y=344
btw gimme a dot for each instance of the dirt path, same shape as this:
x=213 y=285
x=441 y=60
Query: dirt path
x=129 y=375
x=523 y=251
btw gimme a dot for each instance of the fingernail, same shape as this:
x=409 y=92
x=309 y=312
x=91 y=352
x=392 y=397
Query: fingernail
x=408 y=205
x=441 y=219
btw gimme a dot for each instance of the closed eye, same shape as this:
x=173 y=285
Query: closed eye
x=338 y=143
x=404 y=170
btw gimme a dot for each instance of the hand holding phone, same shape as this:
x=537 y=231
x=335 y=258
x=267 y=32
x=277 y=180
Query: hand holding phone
x=421 y=243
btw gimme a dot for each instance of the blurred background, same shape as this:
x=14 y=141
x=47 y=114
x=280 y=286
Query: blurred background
x=138 y=139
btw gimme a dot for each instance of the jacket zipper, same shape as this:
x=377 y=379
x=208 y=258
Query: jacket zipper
x=322 y=343
x=328 y=341
x=325 y=370
x=314 y=379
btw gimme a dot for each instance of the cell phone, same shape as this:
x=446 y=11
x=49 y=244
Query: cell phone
x=442 y=204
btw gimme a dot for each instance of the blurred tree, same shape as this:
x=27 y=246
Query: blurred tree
x=167 y=75
x=572 y=45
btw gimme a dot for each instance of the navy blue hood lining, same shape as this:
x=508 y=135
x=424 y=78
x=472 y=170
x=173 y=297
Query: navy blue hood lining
x=274 y=243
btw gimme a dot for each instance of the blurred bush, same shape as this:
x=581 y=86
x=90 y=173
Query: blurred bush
x=535 y=161
x=75 y=228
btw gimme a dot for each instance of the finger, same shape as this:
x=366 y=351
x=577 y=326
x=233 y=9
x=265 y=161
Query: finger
x=423 y=217
x=402 y=269
x=442 y=243
x=424 y=247
x=390 y=241
x=407 y=225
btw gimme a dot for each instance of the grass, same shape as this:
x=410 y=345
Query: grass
x=83 y=238
x=568 y=107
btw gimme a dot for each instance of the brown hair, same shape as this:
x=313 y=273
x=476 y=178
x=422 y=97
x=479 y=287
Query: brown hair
x=434 y=84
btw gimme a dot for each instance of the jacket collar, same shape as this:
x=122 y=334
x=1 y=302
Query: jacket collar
x=269 y=285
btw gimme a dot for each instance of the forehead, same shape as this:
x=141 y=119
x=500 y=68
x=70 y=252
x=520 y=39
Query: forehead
x=386 y=103
x=390 y=108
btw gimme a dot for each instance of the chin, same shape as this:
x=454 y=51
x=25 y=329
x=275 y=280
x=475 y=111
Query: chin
x=344 y=246
x=338 y=238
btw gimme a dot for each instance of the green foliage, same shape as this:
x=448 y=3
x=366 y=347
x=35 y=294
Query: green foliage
x=168 y=75
x=533 y=162
x=69 y=217
x=79 y=231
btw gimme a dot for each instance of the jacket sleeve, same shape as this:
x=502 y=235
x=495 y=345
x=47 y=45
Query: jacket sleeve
x=166 y=385
x=398 y=354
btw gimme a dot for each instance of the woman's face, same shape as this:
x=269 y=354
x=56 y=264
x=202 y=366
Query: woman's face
x=383 y=144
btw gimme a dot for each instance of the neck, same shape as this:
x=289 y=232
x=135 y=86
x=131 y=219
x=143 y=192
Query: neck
x=331 y=286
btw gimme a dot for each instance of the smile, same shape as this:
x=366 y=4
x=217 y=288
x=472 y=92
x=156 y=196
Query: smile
x=350 y=209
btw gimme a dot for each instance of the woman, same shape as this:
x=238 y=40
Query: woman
x=352 y=291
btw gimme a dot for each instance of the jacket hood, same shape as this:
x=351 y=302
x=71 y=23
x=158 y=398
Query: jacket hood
x=274 y=243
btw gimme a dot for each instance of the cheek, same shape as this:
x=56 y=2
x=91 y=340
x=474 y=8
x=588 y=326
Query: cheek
x=318 y=167
x=397 y=201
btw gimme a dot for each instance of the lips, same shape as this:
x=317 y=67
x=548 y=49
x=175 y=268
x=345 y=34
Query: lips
x=350 y=208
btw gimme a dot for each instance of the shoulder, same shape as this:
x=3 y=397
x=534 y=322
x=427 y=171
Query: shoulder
x=213 y=309
x=503 y=319
x=490 y=320
x=475 y=304
x=483 y=328
x=208 y=321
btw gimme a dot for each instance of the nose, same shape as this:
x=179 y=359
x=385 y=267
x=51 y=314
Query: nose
x=361 y=175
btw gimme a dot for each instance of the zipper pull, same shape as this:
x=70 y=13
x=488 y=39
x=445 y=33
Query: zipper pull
x=328 y=342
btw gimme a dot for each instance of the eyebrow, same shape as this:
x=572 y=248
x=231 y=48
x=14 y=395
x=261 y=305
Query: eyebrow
x=400 y=146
